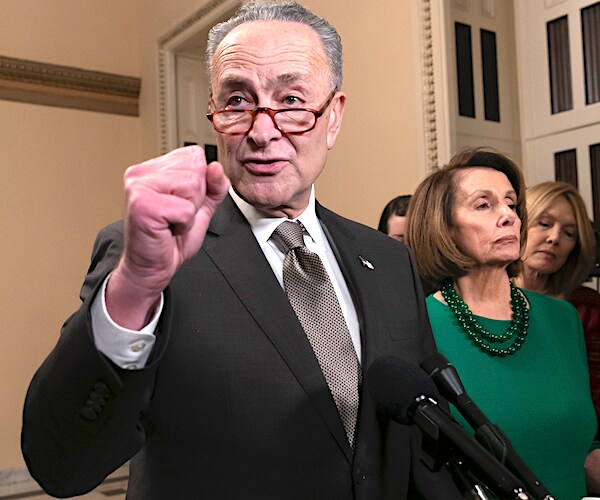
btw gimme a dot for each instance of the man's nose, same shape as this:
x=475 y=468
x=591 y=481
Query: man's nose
x=263 y=129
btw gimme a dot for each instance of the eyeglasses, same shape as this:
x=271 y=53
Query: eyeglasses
x=287 y=121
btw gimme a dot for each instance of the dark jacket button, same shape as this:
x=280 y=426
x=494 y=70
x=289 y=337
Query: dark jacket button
x=94 y=406
x=88 y=413
x=102 y=389
x=96 y=398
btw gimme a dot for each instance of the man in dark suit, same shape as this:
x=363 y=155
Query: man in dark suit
x=186 y=356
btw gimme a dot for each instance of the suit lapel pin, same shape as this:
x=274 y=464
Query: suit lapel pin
x=365 y=262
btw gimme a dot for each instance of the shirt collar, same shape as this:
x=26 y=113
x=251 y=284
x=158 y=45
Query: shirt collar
x=263 y=226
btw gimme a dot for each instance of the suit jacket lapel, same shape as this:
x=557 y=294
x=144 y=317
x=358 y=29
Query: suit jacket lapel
x=360 y=278
x=232 y=247
x=362 y=282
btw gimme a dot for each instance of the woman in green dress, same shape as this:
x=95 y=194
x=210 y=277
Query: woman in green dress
x=520 y=354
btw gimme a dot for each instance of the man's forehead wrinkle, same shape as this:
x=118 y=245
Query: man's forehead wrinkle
x=291 y=56
x=238 y=54
x=233 y=70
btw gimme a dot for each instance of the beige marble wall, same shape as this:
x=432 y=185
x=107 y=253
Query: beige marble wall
x=61 y=181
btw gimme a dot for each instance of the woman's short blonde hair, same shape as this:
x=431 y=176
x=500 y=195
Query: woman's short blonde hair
x=579 y=263
x=429 y=222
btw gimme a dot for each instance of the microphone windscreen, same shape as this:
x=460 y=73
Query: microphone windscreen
x=434 y=362
x=395 y=384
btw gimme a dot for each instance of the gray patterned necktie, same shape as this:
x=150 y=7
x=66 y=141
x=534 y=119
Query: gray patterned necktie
x=313 y=298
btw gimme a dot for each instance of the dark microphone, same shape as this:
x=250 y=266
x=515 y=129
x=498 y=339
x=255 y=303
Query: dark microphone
x=446 y=378
x=405 y=394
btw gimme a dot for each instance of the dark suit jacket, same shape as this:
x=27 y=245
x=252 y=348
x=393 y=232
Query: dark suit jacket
x=232 y=403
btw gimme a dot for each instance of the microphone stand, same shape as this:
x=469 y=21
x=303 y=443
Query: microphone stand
x=467 y=485
x=434 y=459
x=487 y=434
x=497 y=443
x=439 y=439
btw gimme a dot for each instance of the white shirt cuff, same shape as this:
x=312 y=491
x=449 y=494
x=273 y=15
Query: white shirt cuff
x=128 y=349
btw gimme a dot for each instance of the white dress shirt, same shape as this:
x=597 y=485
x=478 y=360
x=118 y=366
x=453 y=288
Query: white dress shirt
x=129 y=349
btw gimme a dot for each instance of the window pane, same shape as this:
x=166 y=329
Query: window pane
x=559 y=65
x=590 y=32
x=565 y=166
x=464 y=70
x=489 y=67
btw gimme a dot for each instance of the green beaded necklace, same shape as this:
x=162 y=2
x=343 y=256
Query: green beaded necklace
x=484 y=340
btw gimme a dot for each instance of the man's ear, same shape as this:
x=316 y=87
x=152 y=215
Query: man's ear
x=335 y=114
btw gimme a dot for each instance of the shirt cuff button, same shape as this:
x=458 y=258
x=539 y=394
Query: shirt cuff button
x=137 y=346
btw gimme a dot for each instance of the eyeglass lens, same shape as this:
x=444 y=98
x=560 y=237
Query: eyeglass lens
x=234 y=122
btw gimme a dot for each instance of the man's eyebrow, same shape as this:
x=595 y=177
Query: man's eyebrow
x=235 y=81
x=286 y=78
x=240 y=80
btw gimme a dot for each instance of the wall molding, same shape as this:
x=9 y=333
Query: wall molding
x=167 y=47
x=428 y=87
x=68 y=87
x=18 y=483
x=9 y=477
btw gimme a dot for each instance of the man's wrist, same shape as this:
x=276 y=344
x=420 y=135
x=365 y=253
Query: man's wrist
x=128 y=349
x=130 y=305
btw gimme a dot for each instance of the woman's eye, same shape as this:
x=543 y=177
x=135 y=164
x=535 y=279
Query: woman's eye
x=482 y=205
x=571 y=234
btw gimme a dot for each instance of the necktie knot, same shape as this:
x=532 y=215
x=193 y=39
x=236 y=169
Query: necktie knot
x=290 y=234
